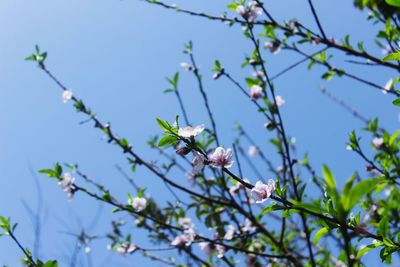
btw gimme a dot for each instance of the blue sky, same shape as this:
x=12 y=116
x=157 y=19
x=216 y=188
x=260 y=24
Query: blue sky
x=115 y=55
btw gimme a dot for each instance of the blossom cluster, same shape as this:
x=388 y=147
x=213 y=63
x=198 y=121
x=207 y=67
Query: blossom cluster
x=67 y=185
x=251 y=12
x=188 y=235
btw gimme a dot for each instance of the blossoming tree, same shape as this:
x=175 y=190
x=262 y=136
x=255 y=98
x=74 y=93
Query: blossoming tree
x=221 y=218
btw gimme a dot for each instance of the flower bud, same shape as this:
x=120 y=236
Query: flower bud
x=182 y=151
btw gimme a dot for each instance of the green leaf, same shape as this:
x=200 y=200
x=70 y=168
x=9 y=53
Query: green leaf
x=176 y=79
x=357 y=192
x=167 y=140
x=58 y=169
x=124 y=142
x=396 y=102
x=364 y=250
x=328 y=75
x=51 y=264
x=31 y=58
x=141 y=192
x=321 y=232
x=217 y=66
x=393 y=56
x=346 y=194
x=50 y=173
x=164 y=125
x=252 y=81
x=383 y=228
x=329 y=178
x=273 y=207
x=168 y=91
x=308 y=206
x=395 y=3
x=5 y=224
x=321 y=57
x=233 y=6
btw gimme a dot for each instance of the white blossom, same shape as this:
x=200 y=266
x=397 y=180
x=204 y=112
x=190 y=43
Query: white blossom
x=67 y=95
x=235 y=188
x=186 y=66
x=273 y=46
x=258 y=74
x=67 y=184
x=377 y=142
x=261 y=192
x=126 y=249
x=189 y=131
x=185 y=223
x=255 y=10
x=279 y=101
x=248 y=226
x=253 y=151
x=230 y=232
x=315 y=41
x=388 y=86
x=87 y=249
x=241 y=10
x=250 y=13
x=221 y=158
x=255 y=92
x=186 y=238
x=220 y=250
x=139 y=204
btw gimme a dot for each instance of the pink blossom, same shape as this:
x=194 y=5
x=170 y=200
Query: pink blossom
x=241 y=10
x=178 y=241
x=189 y=131
x=258 y=74
x=230 y=232
x=206 y=247
x=255 y=10
x=67 y=185
x=280 y=169
x=315 y=41
x=215 y=235
x=221 y=158
x=279 y=101
x=273 y=46
x=248 y=226
x=386 y=50
x=251 y=13
x=126 y=249
x=198 y=162
x=139 y=204
x=185 y=223
x=293 y=24
x=191 y=177
x=261 y=192
x=186 y=238
x=67 y=95
x=235 y=188
x=220 y=250
x=377 y=142
x=186 y=66
x=255 y=92
x=253 y=151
